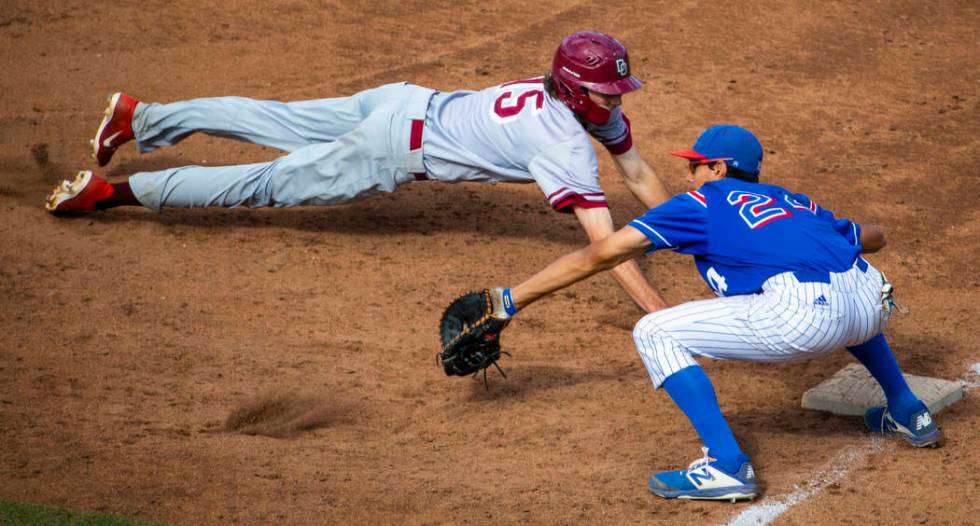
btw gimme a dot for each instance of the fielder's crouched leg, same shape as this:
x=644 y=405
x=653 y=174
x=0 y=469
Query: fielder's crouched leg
x=724 y=474
x=661 y=353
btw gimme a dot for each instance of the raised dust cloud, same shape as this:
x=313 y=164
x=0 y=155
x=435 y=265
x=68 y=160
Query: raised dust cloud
x=282 y=415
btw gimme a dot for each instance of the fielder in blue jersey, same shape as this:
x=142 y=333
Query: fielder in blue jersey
x=791 y=283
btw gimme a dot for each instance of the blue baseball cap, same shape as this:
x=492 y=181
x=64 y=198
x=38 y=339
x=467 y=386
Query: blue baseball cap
x=735 y=145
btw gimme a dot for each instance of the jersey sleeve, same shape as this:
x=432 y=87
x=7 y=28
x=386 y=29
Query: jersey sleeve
x=616 y=134
x=679 y=224
x=850 y=230
x=568 y=173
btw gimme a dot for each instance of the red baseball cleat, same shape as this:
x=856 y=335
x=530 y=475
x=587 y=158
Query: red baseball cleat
x=116 y=128
x=79 y=195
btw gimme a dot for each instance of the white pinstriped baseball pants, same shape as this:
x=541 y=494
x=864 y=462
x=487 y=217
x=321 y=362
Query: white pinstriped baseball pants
x=787 y=321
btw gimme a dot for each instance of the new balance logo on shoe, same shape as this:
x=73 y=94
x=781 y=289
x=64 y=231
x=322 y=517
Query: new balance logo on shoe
x=821 y=301
x=922 y=421
x=920 y=431
x=699 y=477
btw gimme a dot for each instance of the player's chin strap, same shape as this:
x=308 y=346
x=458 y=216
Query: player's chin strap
x=888 y=302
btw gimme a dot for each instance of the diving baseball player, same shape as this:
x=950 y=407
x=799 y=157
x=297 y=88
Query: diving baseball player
x=534 y=130
x=791 y=283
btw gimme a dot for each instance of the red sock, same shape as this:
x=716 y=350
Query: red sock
x=122 y=195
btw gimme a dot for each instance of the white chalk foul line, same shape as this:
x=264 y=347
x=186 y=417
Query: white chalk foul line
x=833 y=472
x=769 y=508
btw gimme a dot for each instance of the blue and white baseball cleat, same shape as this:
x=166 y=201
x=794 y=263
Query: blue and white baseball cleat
x=921 y=430
x=704 y=480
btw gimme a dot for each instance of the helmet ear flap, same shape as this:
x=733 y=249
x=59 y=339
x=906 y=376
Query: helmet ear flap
x=563 y=89
x=577 y=100
x=581 y=104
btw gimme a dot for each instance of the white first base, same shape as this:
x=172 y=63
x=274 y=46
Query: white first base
x=852 y=390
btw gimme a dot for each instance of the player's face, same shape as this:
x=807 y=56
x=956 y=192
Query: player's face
x=699 y=173
x=606 y=102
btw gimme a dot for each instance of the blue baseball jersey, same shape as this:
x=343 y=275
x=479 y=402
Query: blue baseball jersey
x=743 y=233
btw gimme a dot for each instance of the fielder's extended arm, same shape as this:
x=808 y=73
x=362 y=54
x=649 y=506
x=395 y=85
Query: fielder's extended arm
x=598 y=225
x=606 y=253
x=470 y=326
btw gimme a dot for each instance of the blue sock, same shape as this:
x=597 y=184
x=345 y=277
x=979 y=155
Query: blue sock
x=877 y=357
x=693 y=393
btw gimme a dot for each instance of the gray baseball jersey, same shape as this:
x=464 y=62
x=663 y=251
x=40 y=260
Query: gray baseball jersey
x=516 y=133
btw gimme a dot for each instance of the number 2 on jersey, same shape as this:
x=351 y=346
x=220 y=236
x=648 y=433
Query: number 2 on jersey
x=756 y=210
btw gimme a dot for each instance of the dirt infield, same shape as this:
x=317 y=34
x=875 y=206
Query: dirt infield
x=258 y=366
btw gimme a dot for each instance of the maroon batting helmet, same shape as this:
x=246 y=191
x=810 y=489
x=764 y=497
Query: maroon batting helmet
x=594 y=61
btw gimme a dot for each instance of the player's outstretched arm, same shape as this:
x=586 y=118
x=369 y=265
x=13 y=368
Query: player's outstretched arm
x=872 y=239
x=470 y=326
x=640 y=178
x=603 y=254
x=598 y=224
